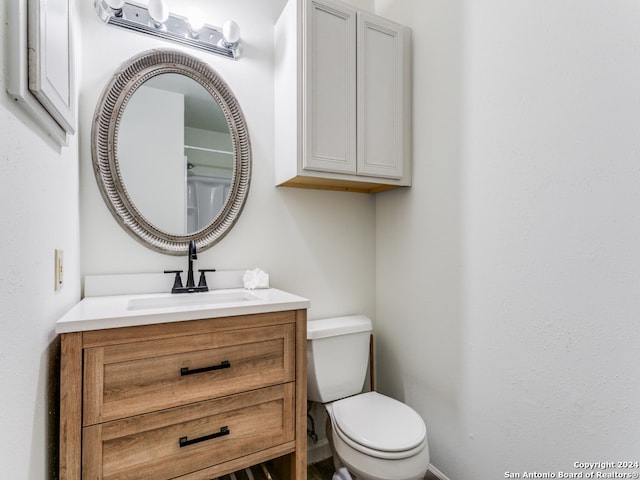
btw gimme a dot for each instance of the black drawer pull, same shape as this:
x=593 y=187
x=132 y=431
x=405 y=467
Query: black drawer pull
x=184 y=442
x=224 y=364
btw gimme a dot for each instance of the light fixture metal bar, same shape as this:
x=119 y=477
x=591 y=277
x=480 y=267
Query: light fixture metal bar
x=176 y=29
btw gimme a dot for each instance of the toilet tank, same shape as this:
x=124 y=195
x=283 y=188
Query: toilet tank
x=337 y=357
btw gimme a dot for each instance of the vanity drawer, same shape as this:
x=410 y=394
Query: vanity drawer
x=140 y=377
x=175 y=442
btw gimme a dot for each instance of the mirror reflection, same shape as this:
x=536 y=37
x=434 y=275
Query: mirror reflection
x=175 y=153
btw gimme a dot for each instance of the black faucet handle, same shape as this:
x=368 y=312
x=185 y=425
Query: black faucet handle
x=203 y=278
x=177 y=282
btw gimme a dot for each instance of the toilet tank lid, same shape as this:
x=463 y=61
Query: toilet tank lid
x=331 y=327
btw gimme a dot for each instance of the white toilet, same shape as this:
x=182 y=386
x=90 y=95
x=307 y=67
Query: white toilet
x=372 y=436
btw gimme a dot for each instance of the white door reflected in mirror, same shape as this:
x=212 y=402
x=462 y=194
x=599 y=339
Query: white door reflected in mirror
x=175 y=153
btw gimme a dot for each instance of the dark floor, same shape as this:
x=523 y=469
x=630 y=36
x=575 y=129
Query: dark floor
x=324 y=471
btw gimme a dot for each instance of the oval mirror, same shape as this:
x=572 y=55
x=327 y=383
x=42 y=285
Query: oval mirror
x=171 y=151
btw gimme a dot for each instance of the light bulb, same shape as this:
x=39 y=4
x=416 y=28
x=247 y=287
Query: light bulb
x=231 y=32
x=115 y=4
x=195 y=21
x=158 y=11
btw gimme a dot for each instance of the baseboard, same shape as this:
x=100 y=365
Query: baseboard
x=318 y=451
x=437 y=472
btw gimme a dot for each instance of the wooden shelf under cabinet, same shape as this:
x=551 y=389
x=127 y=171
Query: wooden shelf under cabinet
x=188 y=400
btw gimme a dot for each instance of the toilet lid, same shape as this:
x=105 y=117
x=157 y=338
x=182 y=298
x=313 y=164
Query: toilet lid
x=379 y=422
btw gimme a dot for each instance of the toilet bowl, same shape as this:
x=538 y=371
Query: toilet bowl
x=378 y=438
x=372 y=436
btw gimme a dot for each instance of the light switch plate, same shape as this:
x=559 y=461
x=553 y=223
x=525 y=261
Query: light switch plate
x=59 y=269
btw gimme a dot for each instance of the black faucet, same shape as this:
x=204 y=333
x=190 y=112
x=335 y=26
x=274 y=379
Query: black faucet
x=191 y=286
x=192 y=256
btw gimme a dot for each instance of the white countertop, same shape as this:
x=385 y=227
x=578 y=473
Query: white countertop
x=114 y=311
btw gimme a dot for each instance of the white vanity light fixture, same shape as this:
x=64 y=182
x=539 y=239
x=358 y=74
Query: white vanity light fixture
x=155 y=19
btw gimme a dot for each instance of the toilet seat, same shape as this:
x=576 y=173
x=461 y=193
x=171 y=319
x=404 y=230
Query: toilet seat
x=379 y=426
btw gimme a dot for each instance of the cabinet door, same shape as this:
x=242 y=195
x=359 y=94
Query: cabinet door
x=330 y=87
x=382 y=111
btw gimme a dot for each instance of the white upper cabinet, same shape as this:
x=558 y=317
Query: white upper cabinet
x=342 y=93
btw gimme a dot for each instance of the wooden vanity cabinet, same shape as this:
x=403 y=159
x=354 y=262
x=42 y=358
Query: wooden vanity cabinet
x=190 y=400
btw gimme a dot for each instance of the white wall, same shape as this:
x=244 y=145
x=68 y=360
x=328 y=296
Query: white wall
x=514 y=329
x=38 y=213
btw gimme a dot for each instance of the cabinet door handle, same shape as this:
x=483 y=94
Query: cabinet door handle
x=185 y=442
x=224 y=364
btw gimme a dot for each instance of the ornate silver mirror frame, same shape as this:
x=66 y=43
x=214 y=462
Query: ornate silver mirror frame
x=127 y=79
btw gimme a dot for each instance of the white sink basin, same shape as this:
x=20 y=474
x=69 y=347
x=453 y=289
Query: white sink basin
x=190 y=299
x=116 y=311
